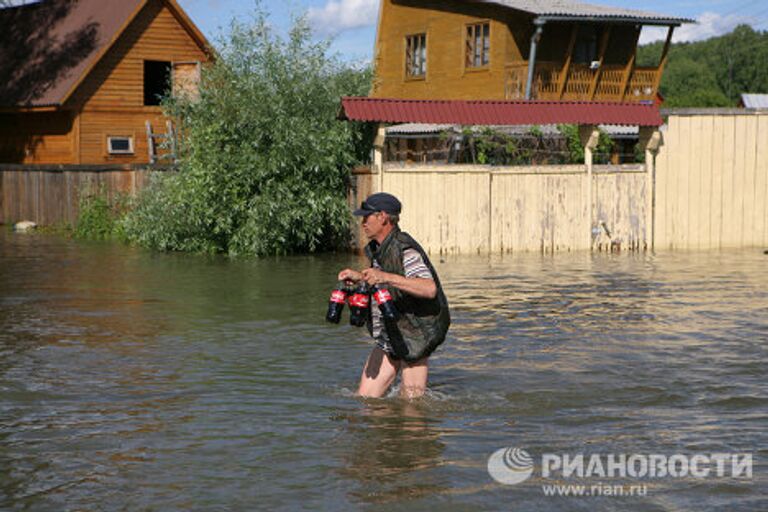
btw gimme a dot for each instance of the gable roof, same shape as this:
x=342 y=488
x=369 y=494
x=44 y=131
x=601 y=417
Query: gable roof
x=554 y=10
x=492 y=112
x=47 y=48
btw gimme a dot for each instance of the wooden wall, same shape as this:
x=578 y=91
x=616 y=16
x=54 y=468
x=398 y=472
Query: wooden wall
x=712 y=181
x=48 y=195
x=38 y=137
x=112 y=97
x=444 y=22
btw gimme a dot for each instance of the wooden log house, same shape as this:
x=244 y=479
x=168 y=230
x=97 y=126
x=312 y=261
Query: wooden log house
x=83 y=78
x=514 y=49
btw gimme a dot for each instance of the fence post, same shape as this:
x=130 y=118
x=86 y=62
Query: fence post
x=378 y=154
x=589 y=135
x=650 y=140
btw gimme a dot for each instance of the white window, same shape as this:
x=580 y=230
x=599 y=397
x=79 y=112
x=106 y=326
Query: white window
x=119 y=145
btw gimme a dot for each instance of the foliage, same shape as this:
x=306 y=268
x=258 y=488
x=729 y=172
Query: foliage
x=100 y=218
x=714 y=72
x=264 y=163
x=489 y=146
x=602 y=153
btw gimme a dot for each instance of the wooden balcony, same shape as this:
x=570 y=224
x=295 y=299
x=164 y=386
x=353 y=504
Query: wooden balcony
x=553 y=81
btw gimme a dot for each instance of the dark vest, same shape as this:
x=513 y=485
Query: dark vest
x=423 y=323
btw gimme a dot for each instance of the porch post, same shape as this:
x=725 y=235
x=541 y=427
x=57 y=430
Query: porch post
x=589 y=135
x=567 y=65
x=600 y=59
x=630 y=66
x=663 y=60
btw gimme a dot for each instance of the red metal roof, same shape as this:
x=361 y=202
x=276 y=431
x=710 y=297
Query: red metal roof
x=497 y=112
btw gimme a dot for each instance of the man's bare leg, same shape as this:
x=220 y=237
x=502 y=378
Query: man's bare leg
x=414 y=378
x=378 y=374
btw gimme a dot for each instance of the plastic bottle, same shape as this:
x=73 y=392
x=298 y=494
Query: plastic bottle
x=384 y=300
x=359 y=302
x=336 y=303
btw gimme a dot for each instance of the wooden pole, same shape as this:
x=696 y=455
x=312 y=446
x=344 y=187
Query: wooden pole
x=650 y=140
x=600 y=58
x=567 y=65
x=630 y=67
x=663 y=60
x=589 y=135
x=378 y=154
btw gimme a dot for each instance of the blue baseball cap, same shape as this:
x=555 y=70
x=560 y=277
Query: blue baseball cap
x=379 y=202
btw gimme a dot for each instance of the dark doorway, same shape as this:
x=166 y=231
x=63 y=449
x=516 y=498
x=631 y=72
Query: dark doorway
x=157 y=80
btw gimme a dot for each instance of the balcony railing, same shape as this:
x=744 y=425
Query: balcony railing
x=579 y=82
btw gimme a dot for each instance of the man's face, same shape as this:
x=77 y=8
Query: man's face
x=374 y=224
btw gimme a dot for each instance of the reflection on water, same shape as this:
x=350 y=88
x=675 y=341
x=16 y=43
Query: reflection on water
x=131 y=380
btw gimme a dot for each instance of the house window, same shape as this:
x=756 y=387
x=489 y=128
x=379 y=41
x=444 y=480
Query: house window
x=478 y=47
x=119 y=145
x=416 y=56
x=157 y=79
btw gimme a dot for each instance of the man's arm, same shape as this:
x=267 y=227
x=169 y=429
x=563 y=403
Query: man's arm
x=417 y=286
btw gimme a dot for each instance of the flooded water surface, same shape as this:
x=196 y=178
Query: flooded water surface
x=139 y=381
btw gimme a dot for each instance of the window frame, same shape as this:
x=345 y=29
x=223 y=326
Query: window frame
x=470 y=38
x=131 y=148
x=408 y=57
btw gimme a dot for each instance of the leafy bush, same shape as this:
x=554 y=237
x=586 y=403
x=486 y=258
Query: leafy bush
x=264 y=163
x=100 y=218
x=602 y=153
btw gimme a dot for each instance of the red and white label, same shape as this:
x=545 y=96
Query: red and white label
x=338 y=296
x=383 y=296
x=359 y=300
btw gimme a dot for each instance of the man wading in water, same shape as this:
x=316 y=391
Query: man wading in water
x=399 y=265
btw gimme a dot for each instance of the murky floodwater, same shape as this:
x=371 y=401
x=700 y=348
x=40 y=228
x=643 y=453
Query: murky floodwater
x=137 y=381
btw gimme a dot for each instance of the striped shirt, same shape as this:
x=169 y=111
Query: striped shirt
x=414 y=266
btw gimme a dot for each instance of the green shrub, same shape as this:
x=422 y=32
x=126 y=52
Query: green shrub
x=264 y=163
x=100 y=218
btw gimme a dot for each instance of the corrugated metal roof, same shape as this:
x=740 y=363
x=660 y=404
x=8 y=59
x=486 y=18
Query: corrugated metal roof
x=754 y=100
x=490 y=112
x=568 y=9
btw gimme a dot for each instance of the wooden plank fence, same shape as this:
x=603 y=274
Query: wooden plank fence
x=712 y=180
x=708 y=186
x=50 y=195
x=481 y=209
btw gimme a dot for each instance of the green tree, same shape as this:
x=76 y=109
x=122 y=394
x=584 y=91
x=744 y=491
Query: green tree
x=264 y=163
x=714 y=72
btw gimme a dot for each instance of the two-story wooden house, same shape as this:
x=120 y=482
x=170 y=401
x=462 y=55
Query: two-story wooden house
x=82 y=78
x=514 y=49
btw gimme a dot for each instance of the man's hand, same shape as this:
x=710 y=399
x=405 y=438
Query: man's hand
x=350 y=276
x=374 y=276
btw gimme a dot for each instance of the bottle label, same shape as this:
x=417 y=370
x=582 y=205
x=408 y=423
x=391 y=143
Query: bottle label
x=359 y=300
x=338 y=296
x=383 y=296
